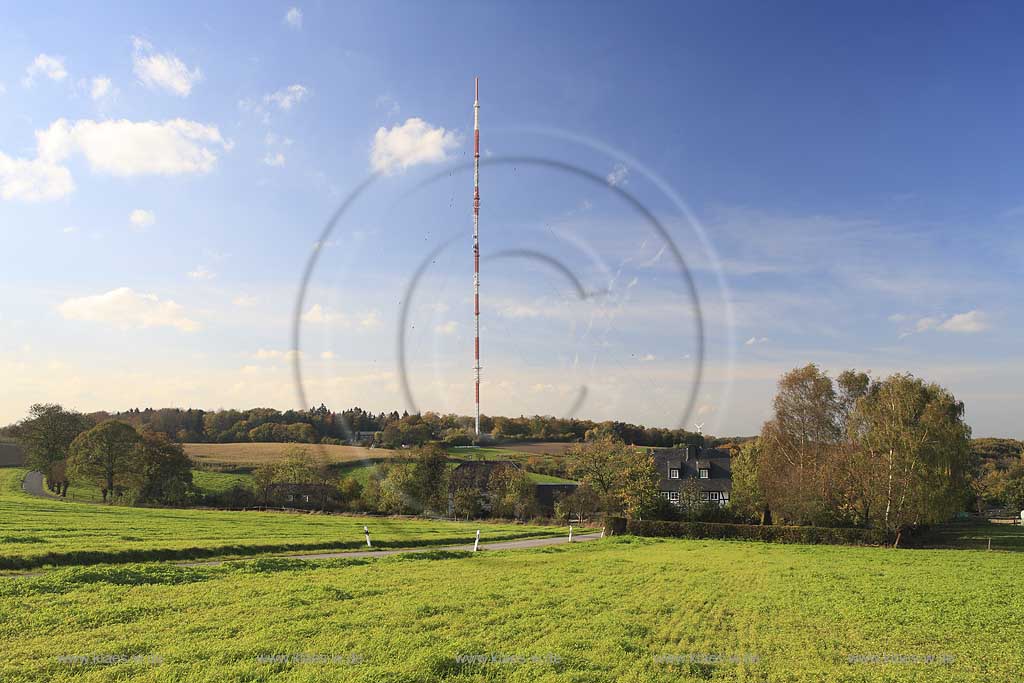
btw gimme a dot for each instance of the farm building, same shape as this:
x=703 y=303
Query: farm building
x=709 y=468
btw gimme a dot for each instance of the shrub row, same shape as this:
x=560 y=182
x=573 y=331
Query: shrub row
x=752 y=532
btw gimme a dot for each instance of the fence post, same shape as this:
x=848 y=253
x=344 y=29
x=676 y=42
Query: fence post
x=366 y=530
x=990 y=543
x=570 y=533
x=602 y=532
x=476 y=544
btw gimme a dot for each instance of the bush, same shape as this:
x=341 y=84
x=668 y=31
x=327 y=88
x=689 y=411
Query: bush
x=238 y=496
x=750 y=532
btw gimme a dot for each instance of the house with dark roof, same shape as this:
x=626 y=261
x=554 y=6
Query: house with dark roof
x=709 y=468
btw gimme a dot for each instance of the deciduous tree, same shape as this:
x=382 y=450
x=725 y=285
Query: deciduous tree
x=46 y=435
x=106 y=456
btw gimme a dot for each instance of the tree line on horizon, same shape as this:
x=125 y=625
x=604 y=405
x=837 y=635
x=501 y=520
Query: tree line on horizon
x=386 y=430
x=853 y=451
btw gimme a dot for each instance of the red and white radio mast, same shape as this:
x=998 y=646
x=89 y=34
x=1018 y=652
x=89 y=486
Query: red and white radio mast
x=476 y=251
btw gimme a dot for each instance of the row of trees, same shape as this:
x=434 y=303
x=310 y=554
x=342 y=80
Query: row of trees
x=888 y=454
x=113 y=456
x=390 y=430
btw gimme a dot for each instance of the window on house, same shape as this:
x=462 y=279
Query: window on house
x=704 y=495
x=673 y=496
x=673 y=473
x=291 y=497
x=715 y=495
x=665 y=494
x=307 y=498
x=705 y=473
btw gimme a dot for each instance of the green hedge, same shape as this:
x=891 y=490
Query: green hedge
x=751 y=532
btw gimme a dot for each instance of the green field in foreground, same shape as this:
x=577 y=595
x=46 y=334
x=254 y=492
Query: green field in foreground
x=40 y=531
x=612 y=610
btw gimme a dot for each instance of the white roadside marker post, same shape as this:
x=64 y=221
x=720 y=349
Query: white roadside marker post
x=366 y=530
x=602 y=532
x=476 y=544
x=570 y=533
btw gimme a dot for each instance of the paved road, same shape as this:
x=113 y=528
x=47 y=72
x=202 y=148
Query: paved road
x=33 y=484
x=505 y=545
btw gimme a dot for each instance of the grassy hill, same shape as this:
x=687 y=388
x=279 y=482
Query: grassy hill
x=637 y=610
x=222 y=456
x=40 y=531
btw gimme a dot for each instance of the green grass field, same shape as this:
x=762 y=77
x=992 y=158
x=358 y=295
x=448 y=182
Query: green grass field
x=38 y=531
x=636 y=610
x=205 y=481
x=233 y=456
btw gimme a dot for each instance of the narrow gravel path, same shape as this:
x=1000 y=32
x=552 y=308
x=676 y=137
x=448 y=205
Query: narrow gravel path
x=33 y=483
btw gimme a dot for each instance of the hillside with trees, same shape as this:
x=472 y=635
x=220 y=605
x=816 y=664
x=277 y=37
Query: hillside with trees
x=387 y=430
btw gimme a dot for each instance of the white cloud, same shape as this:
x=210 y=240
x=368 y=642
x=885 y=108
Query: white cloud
x=964 y=323
x=413 y=142
x=100 y=87
x=618 y=176
x=753 y=341
x=897 y=317
x=126 y=148
x=293 y=17
x=327 y=355
x=648 y=357
x=47 y=66
x=244 y=301
x=201 y=273
x=70 y=229
x=274 y=159
x=970 y=322
x=33 y=180
x=286 y=98
x=449 y=327
x=127 y=308
x=317 y=314
x=141 y=219
x=163 y=71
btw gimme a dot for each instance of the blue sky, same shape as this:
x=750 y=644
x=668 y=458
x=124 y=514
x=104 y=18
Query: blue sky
x=843 y=183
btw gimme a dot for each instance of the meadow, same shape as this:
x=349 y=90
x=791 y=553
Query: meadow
x=619 y=609
x=36 y=531
x=250 y=455
x=348 y=461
